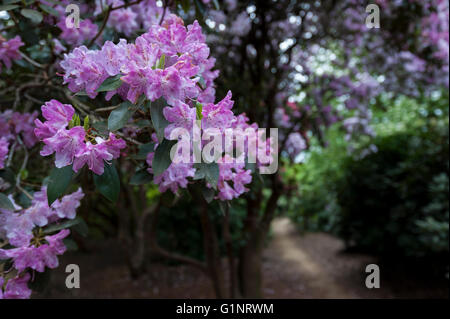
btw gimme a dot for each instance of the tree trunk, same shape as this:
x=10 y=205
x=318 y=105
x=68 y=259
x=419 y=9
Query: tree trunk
x=250 y=257
x=250 y=278
x=212 y=253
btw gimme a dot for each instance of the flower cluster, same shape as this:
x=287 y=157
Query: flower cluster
x=74 y=145
x=32 y=248
x=9 y=50
x=12 y=126
x=217 y=118
x=172 y=62
x=168 y=61
x=76 y=36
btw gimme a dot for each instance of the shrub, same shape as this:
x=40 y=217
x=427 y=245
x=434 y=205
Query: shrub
x=395 y=202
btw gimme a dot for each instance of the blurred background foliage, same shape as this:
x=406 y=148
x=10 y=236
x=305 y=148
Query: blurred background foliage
x=388 y=197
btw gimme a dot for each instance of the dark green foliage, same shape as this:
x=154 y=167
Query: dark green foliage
x=395 y=201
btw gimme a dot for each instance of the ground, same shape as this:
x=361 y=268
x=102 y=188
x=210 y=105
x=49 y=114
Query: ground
x=313 y=265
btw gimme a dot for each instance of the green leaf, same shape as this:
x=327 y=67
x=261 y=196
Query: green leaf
x=143 y=123
x=101 y=127
x=208 y=171
x=141 y=177
x=49 y=10
x=161 y=62
x=70 y=244
x=199 y=108
x=59 y=180
x=11 y=1
x=216 y=4
x=5 y=203
x=33 y=15
x=162 y=160
x=110 y=84
x=199 y=8
x=144 y=149
x=208 y=194
x=86 y=123
x=81 y=228
x=81 y=93
x=108 y=184
x=185 y=5
x=9 y=179
x=120 y=116
x=158 y=119
x=53 y=228
x=8 y=7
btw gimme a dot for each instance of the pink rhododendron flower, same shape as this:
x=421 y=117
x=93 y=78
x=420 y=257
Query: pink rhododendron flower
x=218 y=115
x=38 y=258
x=76 y=36
x=57 y=114
x=13 y=125
x=66 y=207
x=70 y=145
x=94 y=155
x=186 y=60
x=3 y=151
x=16 y=288
x=179 y=116
x=17 y=226
x=115 y=145
x=65 y=144
x=9 y=50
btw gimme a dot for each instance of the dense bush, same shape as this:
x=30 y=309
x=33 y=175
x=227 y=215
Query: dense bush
x=388 y=197
x=395 y=201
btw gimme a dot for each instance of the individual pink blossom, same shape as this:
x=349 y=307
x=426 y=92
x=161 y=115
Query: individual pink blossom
x=38 y=257
x=66 y=206
x=218 y=115
x=70 y=145
x=17 y=226
x=94 y=155
x=9 y=50
x=124 y=21
x=76 y=36
x=16 y=288
x=175 y=176
x=3 y=151
x=65 y=144
x=115 y=145
x=180 y=116
x=57 y=114
x=14 y=124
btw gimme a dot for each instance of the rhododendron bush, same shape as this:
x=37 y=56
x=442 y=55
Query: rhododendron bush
x=107 y=104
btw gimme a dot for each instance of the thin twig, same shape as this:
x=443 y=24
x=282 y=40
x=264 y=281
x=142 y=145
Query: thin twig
x=106 y=109
x=11 y=153
x=22 y=168
x=105 y=21
x=29 y=97
x=164 y=13
x=30 y=60
x=129 y=139
x=23 y=87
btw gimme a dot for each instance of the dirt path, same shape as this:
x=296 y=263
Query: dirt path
x=286 y=244
x=312 y=265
